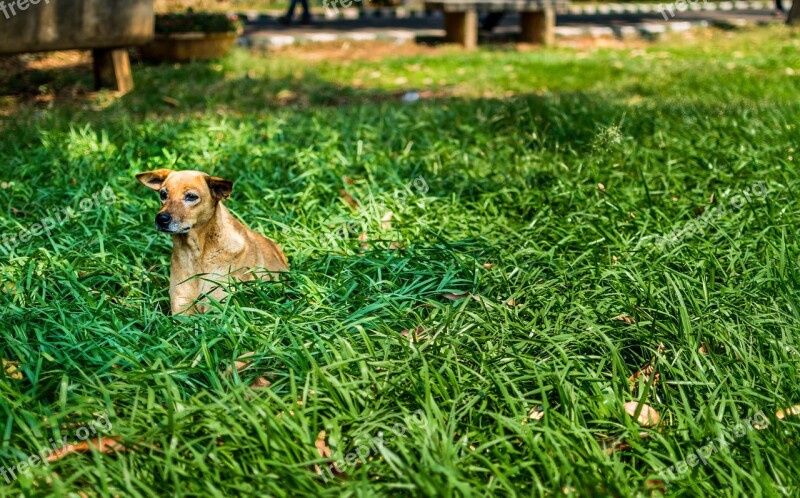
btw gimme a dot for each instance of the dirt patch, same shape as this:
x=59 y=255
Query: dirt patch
x=345 y=50
x=590 y=42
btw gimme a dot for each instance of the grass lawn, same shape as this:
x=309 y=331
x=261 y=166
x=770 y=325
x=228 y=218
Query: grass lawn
x=533 y=194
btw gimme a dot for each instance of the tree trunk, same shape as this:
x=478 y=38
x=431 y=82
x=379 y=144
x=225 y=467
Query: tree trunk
x=794 y=13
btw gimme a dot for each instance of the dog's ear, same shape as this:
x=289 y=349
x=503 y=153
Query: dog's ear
x=153 y=179
x=220 y=189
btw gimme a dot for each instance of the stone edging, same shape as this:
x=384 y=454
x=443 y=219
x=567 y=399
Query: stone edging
x=648 y=30
x=601 y=9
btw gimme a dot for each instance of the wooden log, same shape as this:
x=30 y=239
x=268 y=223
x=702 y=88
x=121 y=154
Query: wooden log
x=538 y=26
x=462 y=28
x=112 y=69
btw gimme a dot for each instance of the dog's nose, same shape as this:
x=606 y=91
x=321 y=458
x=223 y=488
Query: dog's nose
x=163 y=219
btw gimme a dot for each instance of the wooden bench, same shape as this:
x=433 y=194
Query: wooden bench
x=106 y=27
x=537 y=18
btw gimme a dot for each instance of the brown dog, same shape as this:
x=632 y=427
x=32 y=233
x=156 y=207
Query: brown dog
x=207 y=241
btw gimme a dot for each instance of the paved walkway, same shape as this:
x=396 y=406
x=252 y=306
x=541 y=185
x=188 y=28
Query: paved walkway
x=610 y=20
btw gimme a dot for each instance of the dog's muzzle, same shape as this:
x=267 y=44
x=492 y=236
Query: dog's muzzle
x=165 y=223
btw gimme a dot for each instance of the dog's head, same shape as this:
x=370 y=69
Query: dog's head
x=188 y=198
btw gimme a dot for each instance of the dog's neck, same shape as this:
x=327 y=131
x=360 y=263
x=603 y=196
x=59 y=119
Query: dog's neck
x=194 y=241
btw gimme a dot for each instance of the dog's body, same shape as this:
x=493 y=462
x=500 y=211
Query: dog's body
x=209 y=246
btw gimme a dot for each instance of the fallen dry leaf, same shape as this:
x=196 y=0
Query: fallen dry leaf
x=536 y=413
x=646 y=372
x=325 y=452
x=103 y=445
x=616 y=446
x=260 y=382
x=363 y=239
x=322 y=445
x=648 y=417
x=417 y=335
x=349 y=199
x=238 y=364
x=625 y=318
x=386 y=221
x=656 y=484
x=601 y=187
x=488 y=266
x=171 y=101
x=513 y=303
x=787 y=412
x=453 y=296
x=11 y=369
x=703 y=349
x=347 y=180
x=394 y=245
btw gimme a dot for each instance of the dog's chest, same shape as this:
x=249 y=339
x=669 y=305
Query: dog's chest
x=217 y=256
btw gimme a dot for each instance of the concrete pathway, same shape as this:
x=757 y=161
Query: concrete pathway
x=400 y=25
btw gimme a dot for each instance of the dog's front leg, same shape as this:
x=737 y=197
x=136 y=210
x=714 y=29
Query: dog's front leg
x=182 y=297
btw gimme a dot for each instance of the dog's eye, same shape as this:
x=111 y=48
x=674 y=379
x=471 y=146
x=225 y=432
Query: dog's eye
x=191 y=197
x=163 y=195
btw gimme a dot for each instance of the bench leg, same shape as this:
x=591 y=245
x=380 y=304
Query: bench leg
x=538 y=27
x=462 y=27
x=112 y=69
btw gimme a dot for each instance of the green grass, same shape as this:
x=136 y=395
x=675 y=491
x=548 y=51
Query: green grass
x=511 y=147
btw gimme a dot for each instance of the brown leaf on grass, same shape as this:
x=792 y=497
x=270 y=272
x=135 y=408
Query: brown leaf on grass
x=103 y=445
x=656 y=484
x=513 y=303
x=613 y=445
x=703 y=349
x=239 y=365
x=363 y=238
x=322 y=445
x=11 y=369
x=260 y=382
x=488 y=266
x=386 y=221
x=417 y=335
x=787 y=412
x=536 y=413
x=171 y=101
x=616 y=446
x=348 y=180
x=648 y=416
x=395 y=245
x=454 y=297
x=349 y=199
x=624 y=317
x=325 y=452
x=601 y=187
x=646 y=372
